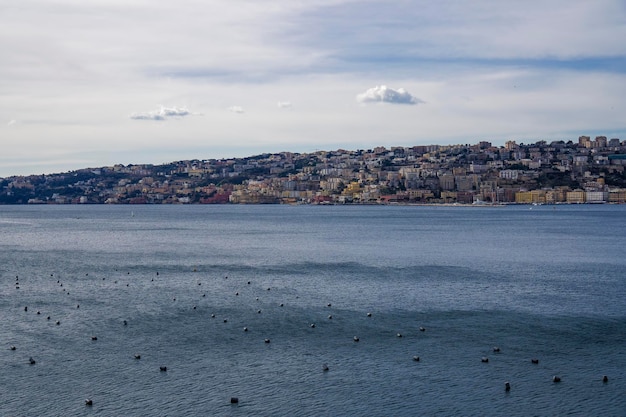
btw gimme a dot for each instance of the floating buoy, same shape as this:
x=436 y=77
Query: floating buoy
x=312 y=325
x=484 y=359
x=324 y=367
x=369 y=314
x=125 y=323
x=605 y=378
x=356 y=339
x=163 y=368
x=416 y=358
x=31 y=361
x=225 y=321
x=25 y=308
x=496 y=349
x=328 y=305
x=88 y=401
x=137 y=356
x=282 y=305
x=94 y=338
x=330 y=316
x=534 y=360
x=13 y=348
x=507 y=386
x=422 y=329
x=267 y=340
x=245 y=329
x=234 y=400
x=556 y=378
x=57 y=322
x=398 y=334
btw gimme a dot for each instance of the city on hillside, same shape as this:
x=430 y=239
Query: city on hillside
x=586 y=171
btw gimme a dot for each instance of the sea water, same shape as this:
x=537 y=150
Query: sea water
x=177 y=285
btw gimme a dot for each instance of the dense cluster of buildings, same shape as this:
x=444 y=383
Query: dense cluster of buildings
x=586 y=171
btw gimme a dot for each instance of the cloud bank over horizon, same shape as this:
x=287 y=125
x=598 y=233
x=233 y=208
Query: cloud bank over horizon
x=555 y=70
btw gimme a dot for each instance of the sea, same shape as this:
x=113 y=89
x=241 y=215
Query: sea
x=278 y=310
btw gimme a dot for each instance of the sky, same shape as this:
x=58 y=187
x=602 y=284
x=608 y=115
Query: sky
x=92 y=83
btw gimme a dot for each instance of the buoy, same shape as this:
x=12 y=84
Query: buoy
x=507 y=386
x=369 y=314
x=31 y=361
x=88 y=401
x=422 y=329
x=398 y=334
x=259 y=311
x=234 y=400
x=125 y=323
x=57 y=322
x=163 y=368
x=496 y=349
x=267 y=340
x=605 y=378
x=225 y=321
x=282 y=305
x=94 y=338
x=137 y=356
x=328 y=305
x=25 y=308
x=356 y=339
x=484 y=359
x=556 y=378
x=325 y=367
x=312 y=325
x=416 y=358
x=534 y=360
x=330 y=316
x=245 y=329
x=13 y=348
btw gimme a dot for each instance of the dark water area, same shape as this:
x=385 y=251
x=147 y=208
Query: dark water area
x=177 y=285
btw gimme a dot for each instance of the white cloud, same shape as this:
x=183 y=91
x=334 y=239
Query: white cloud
x=384 y=94
x=284 y=105
x=162 y=114
x=236 y=109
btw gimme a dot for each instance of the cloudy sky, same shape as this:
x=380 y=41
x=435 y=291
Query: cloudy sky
x=89 y=83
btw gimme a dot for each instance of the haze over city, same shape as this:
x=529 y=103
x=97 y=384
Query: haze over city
x=89 y=84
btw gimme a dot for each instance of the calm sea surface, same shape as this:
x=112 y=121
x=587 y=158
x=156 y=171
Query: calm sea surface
x=178 y=285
